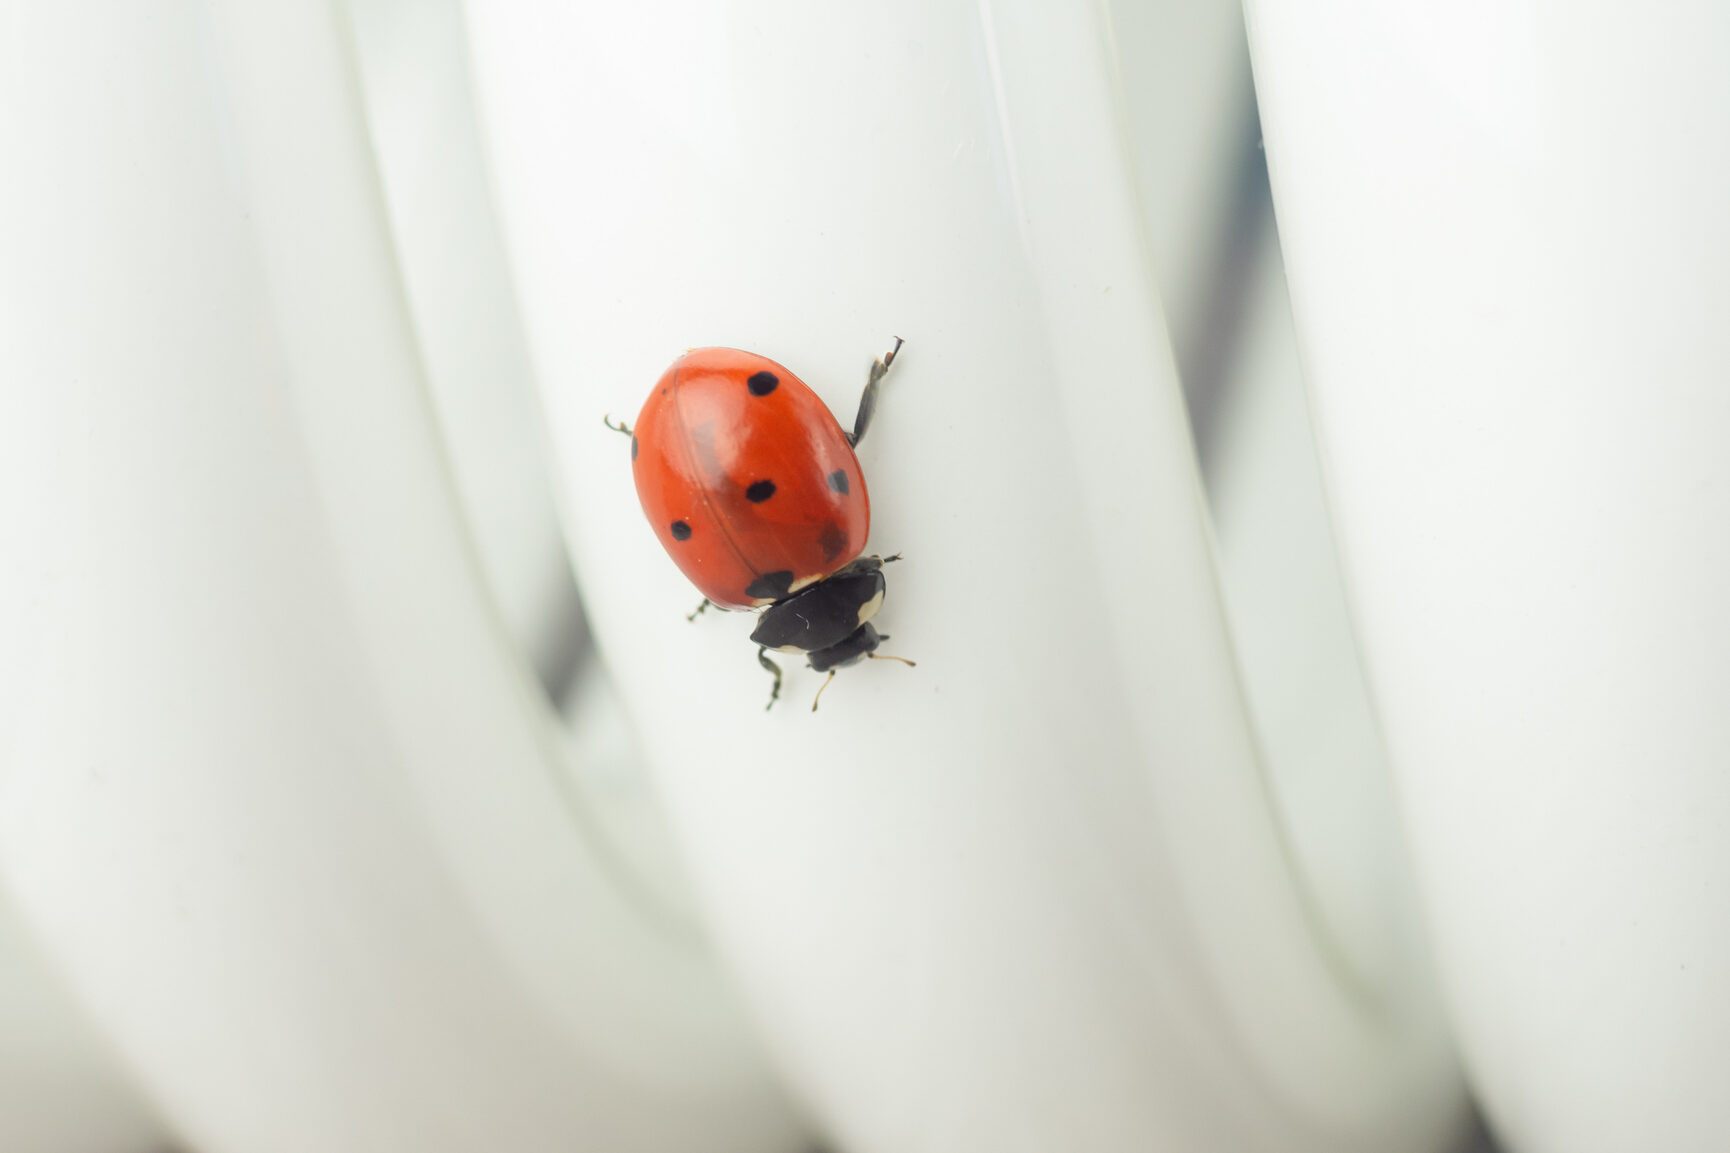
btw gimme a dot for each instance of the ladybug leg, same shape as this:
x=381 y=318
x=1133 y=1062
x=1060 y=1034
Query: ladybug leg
x=868 y=400
x=819 y=696
x=616 y=426
x=699 y=610
x=775 y=671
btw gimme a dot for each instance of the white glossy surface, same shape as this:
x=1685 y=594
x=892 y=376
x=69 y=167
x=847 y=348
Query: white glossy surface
x=1506 y=236
x=412 y=61
x=413 y=68
x=1279 y=573
x=1029 y=895
x=277 y=795
x=60 y=1088
x=1184 y=81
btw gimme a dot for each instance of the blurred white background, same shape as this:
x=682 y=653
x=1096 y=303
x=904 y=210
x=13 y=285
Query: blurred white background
x=362 y=789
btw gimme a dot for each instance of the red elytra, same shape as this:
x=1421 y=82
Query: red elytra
x=748 y=480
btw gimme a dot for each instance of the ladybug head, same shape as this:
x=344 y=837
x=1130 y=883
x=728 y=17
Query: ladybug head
x=831 y=614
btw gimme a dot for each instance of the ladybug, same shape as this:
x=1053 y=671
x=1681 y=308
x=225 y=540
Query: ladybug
x=755 y=492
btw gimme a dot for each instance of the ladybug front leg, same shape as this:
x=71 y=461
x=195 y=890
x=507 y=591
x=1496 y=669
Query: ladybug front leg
x=877 y=656
x=819 y=697
x=774 y=670
x=868 y=400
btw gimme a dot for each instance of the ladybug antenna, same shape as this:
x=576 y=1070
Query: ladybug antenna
x=616 y=426
x=887 y=657
x=819 y=695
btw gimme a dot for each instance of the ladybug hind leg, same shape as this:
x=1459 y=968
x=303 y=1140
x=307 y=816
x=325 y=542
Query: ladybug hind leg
x=868 y=400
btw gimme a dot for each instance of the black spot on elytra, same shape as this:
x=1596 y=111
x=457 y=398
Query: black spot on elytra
x=762 y=383
x=770 y=585
x=681 y=530
x=832 y=540
x=760 y=491
x=838 y=481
